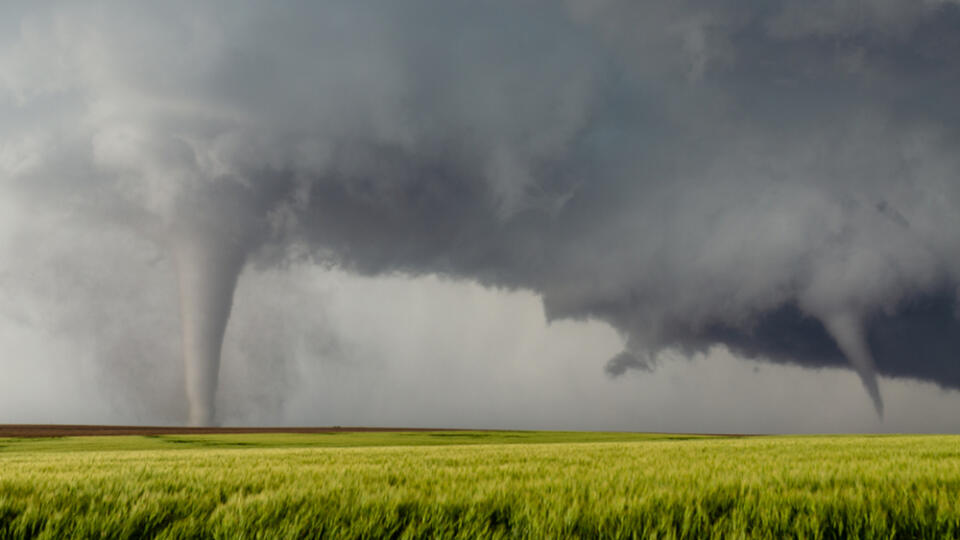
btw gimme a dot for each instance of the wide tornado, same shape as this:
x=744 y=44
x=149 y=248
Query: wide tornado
x=208 y=264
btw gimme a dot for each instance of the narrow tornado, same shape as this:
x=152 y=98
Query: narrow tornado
x=208 y=265
x=847 y=331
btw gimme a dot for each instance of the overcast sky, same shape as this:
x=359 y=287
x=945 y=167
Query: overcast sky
x=594 y=214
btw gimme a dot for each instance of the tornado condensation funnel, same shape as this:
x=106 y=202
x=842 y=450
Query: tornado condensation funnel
x=208 y=265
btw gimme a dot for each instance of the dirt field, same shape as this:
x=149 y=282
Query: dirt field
x=55 y=430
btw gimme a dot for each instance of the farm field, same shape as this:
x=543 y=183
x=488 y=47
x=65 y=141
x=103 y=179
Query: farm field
x=479 y=484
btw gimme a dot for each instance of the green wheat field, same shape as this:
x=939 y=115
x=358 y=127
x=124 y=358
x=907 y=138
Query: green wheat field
x=480 y=484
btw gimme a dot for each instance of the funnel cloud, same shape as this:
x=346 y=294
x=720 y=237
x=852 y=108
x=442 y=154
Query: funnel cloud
x=779 y=179
x=207 y=271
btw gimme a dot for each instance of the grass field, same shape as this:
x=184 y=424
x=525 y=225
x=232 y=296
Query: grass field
x=480 y=484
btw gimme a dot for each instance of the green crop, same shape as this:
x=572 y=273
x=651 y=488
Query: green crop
x=501 y=485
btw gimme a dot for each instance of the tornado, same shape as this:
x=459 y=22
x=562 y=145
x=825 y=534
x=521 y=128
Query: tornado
x=690 y=176
x=208 y=264
x=847 y=330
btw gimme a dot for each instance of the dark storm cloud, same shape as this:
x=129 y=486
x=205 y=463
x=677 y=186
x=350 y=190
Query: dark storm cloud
x=779 y=177
x=619 y=364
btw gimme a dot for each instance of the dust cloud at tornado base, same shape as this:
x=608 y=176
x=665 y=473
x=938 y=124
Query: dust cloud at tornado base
x=777 y=180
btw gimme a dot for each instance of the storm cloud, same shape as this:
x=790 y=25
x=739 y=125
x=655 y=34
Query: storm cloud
x=779 y=178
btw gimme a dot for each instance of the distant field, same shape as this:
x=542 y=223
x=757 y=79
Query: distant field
x=479 y=484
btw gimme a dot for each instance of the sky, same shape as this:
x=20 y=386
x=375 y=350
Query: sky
x=594 y=214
